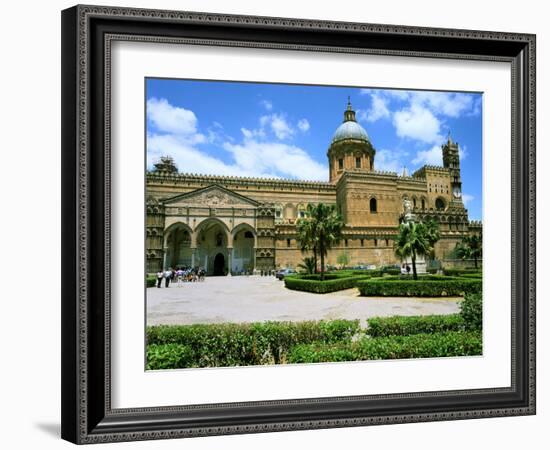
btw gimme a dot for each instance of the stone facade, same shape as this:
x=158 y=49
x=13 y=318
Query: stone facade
x=233 y=224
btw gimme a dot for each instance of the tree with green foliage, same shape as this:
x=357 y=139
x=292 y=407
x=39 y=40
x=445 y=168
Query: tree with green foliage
x=309 y=265
x=320 y=230
x=343 y=259
x=413 y=240
x=471 y=247
x=432 y=234
x=307 y=235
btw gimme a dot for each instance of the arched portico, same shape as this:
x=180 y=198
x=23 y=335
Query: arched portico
x=243 y=254
x=177 y=246
x=213 y=247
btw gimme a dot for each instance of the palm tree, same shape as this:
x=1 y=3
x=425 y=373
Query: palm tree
x=432 y=234
x=413 y=241
x=470 y=247
x=309 y=265
x=320 y=230
x=307 y=236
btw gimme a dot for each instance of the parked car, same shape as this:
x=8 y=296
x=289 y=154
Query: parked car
x=281 y=274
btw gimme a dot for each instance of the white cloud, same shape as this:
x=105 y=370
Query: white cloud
x=378 y=109
x=276 y=159
x=176 y=135
x=278 y=124
x=171 y=119
x=390 y=160
x=249 y=134
x=432 y=156
x=466 y=198
x=462 y=152
x=303 y=125
x=417 y=123
x=451 y=104
x=267 y=104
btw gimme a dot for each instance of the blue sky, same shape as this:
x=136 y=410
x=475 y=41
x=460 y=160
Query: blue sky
x=283 y=131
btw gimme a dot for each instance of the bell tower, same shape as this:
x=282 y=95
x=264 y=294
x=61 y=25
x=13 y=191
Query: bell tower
x=451 y=161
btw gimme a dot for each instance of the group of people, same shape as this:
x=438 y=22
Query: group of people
x=180 y=275
x=405 y=269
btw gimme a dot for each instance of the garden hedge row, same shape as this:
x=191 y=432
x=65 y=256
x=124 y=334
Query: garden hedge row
x=471 y=275
x=322 y=287
x=405 y=325
x=458 y=272
x=453 y=343
x=150 y=280
x=227 y=344
x=471 y=310
x=427 y=286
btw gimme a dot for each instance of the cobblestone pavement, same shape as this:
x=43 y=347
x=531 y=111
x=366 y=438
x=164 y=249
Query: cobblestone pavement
x=257 y=299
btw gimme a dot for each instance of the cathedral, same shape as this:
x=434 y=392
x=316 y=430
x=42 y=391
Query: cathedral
x=236 y=224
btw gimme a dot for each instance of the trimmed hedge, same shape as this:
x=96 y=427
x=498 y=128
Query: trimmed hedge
x=472 y=275
x=453 y=343
x=471 y=311
x=322 y=287
x=227 y=344
x=150 y=280
x=169 y=356
x=406 y=325
x=426 y=286
x=458 y=272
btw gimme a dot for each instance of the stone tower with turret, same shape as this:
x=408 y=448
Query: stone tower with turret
x=350 y=148
x=451 y=161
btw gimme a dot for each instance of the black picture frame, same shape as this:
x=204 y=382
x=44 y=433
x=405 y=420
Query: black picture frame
x=87 y=416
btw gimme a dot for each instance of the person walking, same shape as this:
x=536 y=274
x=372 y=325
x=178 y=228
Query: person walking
x=160 y=276
x=167 y=277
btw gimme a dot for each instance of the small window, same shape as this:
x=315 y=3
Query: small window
x=277 y=213
x=302 y=214
x=362 y=242
x=376 y=242
x=346 y=242
x=340 y=163
x=288 y=242
x=358 y=162
x=387 y=242
x=423 y=204
x=414 y=203
x=373 y=205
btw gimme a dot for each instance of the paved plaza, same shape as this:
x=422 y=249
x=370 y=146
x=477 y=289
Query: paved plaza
x=258 y=299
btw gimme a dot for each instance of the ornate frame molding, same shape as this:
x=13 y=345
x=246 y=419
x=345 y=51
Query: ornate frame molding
x=88 y=31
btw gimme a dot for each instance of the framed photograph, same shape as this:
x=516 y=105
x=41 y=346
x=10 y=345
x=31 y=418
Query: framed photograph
x=280 y=224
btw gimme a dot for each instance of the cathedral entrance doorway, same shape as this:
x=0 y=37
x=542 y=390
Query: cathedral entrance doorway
x=219 y=265
x=212 y=247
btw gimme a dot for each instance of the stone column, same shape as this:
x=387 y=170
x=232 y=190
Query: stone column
x=229 y=260
x=193 y=256
x=165 y=264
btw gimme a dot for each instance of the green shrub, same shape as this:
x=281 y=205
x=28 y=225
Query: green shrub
x=168 y=356
x=150 y=280
x=405 y=325
x=432 y=271
x=471 y=311
x=472 y=275
x=227 y=344
x=458 y=272
x=322 y=287
x=391 y=271
x=453 y=343
x=426 y=286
